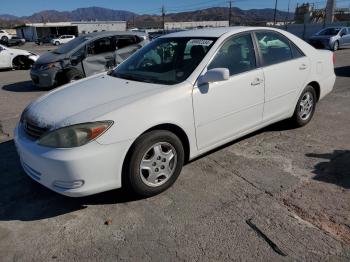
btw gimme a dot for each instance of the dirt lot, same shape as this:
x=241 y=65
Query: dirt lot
x=279 y=194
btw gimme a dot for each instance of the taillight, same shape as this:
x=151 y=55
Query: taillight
x=333 y=58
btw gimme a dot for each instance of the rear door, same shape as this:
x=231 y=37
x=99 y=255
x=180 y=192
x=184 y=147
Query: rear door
x=5 y=58
x=345 y=39
x=285 y=68
x=99 y=57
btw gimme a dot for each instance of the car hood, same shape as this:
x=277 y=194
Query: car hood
x=85 y=100
x=50 y=57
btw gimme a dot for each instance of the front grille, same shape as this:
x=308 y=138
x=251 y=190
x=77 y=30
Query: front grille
x=34 y=131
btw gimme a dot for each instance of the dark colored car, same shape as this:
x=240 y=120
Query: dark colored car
x=45 y=39
x=331 y=38
x=84 y=56
x=14 y=41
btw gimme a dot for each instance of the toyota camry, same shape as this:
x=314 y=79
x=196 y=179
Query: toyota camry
x=175 y=99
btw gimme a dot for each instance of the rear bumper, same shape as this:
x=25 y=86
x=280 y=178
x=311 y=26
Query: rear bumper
x=327 y=85
x=75 y=172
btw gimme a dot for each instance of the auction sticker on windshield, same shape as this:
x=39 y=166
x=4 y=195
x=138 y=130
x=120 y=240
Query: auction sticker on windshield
x=203 y=42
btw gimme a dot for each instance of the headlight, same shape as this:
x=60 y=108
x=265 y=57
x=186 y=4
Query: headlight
x=75 y=135
x=51 y=65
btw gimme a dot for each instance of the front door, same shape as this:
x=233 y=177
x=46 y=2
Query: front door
x=99 y=56
x=225 y=109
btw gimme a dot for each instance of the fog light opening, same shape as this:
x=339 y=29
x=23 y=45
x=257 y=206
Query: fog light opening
x=68 y=184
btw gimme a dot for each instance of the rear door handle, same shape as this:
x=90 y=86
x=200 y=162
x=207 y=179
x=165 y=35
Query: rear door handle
x=303 y=67
x=257 y=82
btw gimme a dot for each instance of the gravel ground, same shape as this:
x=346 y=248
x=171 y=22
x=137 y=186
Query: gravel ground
x=278 y=194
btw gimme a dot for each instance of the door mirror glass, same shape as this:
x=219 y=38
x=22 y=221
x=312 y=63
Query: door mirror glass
x=214 y=75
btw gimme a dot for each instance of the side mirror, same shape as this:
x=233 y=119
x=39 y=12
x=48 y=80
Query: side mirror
x=214 y=75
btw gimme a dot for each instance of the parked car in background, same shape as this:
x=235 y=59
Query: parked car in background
x=16 y=58
x=84 y=56
x=63 y=39
x=45 y=39
x=4 y=35
x=331 y=38
x=177 y=98
x=14 y=41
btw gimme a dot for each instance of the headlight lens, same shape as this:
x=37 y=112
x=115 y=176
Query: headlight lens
x=51 y=65
x=75 y=135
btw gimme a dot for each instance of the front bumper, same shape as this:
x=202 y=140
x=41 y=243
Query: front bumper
x=75 y=172
x=46 y=78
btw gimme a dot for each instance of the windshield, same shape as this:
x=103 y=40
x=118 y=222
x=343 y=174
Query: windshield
x=329 y=31
x=71 y=45
x=165 y=60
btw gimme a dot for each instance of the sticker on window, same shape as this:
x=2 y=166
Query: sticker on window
x=203 y=42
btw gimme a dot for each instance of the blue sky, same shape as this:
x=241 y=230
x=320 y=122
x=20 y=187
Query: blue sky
x=27 y=7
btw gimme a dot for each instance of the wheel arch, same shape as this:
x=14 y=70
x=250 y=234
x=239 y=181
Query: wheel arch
x=178 y=131
x=317 y=88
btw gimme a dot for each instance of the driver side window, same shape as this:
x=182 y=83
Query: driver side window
x=237 y=54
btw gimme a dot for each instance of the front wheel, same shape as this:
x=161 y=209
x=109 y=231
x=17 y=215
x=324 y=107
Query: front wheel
x=155 y=162
x=305 y=107
x=336 y=46
x=57 y=43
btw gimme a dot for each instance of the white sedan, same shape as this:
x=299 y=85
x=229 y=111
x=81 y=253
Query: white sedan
x=178 y=97
x=16 y=58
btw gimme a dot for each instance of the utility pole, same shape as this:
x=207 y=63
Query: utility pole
x=230 y=13
x=163 y=18
x=275 y=14
x=287 y=17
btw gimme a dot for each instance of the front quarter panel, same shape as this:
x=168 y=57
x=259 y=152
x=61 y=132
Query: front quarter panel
x=172 y=105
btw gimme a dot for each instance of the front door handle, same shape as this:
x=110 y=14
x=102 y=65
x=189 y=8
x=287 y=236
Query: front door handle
x=303 y=67
x=257 y=81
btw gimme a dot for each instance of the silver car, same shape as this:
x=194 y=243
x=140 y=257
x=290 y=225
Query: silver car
x=331 y=38
x=84 y=56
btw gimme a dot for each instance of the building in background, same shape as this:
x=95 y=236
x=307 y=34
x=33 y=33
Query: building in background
x=194 y=24
x=32 y=32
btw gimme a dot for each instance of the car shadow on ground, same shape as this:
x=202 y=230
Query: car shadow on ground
x=24 y=86
x=336 y=168
x=343 y=71
x=26 y=200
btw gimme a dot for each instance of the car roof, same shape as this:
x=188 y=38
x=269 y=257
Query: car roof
x=109 y=33
x=214 y=32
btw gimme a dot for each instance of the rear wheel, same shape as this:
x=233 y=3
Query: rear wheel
x=155 y=162
x=305 y=107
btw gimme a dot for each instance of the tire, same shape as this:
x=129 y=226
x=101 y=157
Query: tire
x=336 y=46
x=71 y=76
x=4 y=39
x=305 y=108
x=143 y=173
x=57 y=43
x=22 y=62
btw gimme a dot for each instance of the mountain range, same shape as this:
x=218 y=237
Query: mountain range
x=239 y=16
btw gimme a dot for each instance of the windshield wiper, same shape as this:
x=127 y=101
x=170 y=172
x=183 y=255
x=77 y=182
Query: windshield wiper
x=134 y=78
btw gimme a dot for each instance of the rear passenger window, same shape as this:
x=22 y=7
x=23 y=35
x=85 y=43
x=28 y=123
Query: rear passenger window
x=274 y=48
x=237 y=54
x=296 y=51
x=124 y=41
